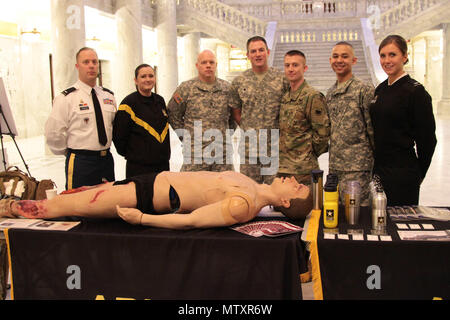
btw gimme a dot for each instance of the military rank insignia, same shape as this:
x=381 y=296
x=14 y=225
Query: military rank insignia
x=177 y=98
x=83 y=106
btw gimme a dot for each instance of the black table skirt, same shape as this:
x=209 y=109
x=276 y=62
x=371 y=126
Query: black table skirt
x=110 y=259
x=363 y=269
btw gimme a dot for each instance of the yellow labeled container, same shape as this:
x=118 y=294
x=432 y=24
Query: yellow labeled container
x=330 y=207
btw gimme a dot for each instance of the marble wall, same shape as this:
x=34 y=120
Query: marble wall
x=425 y=56
x=25 y=69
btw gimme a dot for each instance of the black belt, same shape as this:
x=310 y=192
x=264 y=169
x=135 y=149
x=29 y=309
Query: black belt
x=101 y=153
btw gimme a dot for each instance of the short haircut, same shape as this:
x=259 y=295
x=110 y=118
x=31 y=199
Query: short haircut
x=295 y=53
x=344 y=43
x=139 y=67
x=398 y=41
x=84 y=49
x=299 y=208
x=256 y=38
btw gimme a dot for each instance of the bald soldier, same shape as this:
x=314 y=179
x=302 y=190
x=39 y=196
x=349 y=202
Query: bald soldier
x=200 y=106
x=304 y=123
x=351 y=140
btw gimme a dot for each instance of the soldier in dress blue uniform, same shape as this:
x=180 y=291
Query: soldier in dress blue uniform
x=404 y=127
x=80 y=126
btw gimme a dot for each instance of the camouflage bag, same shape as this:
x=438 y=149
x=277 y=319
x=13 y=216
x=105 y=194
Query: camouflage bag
x=44 y=185
x=16 y=184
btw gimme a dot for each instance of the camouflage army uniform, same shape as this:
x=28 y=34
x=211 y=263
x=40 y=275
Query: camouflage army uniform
x=195 y=102
x=259 y=101
x=304 y=132
x=351 y=140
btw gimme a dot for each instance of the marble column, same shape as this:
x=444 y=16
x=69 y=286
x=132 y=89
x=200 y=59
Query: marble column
x=427 y=62
x=418 y=60
x=434 y=68
x=166 y=31
x=223 y=57
x=210 y=44
x=192 y=49
x=129 y=45
x=443 y=107
x=68 y=36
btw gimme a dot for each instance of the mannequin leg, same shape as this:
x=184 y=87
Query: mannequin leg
x=95 y=202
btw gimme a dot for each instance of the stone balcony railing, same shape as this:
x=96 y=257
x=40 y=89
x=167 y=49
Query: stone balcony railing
x=318 y=9
x=252 y=16
x=325 y=35
x=275 y=10
x=307 y=9
x=406 y=9
x=227 y=15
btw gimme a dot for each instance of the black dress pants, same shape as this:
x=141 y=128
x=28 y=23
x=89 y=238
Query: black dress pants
x=88 y=168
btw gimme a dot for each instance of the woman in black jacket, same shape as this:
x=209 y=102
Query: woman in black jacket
x=404 y=127
x=141 y=128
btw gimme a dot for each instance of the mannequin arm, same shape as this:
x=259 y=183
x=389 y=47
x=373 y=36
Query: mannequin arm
x=219 y=214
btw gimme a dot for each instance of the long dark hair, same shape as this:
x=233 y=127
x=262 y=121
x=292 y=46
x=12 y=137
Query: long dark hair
x=399 y=42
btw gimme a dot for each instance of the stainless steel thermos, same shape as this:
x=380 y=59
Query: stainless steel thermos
x=378 y=203
x=352 y=197
x=317 y=189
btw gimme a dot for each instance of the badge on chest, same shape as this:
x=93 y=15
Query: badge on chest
x=83 y=106
x=108 y=101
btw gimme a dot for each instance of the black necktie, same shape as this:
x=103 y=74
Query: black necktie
x=99 y=119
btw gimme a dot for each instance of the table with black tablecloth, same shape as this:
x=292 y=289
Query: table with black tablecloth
x=381 y=268
x=111 y=259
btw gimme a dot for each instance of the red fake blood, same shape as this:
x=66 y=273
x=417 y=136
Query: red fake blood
x=96 y=196
x=84 y=188
x=31 y=209
x=76 y=190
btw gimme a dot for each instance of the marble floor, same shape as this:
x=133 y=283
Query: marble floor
x=44 y=165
